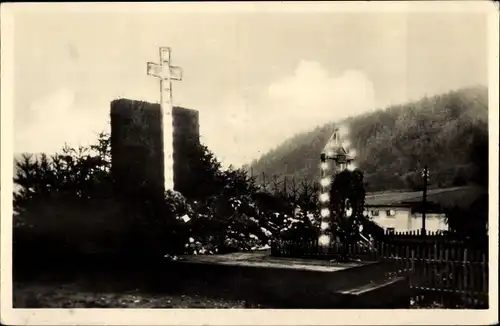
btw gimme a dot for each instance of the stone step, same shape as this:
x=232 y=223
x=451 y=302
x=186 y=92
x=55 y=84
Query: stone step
x=389 y=293
x=365 y=275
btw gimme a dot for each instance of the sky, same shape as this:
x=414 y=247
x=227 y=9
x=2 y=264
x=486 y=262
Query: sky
x=256 y=78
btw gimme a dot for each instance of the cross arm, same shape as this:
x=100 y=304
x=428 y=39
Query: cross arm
x=164 y=72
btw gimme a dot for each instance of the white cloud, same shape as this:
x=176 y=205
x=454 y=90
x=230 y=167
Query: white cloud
x=299 y=102
x=57 y=121
x=311 y=96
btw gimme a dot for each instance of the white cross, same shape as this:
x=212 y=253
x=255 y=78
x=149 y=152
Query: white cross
x=166 y=72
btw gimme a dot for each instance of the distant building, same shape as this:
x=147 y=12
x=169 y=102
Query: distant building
x=402 y=211
x=405 y=217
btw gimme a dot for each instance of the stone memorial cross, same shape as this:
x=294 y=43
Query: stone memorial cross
x=166 y=73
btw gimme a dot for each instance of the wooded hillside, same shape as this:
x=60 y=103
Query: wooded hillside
x=449 y=132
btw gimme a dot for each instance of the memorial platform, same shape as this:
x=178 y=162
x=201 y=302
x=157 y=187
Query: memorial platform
x=290 y=282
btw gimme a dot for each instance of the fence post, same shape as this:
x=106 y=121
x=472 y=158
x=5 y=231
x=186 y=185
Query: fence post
x=407 y=260
x=435 y=267
x=484 y=265
x=413 y=271
x=465 y=275
x=447 y=280
x=275 y=184
x=382 y=250
x=426 y=266
x=454 y=279
x=395 y=258
x=441 y=268
x=473 y=272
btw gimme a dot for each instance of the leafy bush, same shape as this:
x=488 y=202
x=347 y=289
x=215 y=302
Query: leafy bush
x=241 y=220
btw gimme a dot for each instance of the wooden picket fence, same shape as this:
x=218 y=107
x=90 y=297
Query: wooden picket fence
x=440 y=275
x=444 y=274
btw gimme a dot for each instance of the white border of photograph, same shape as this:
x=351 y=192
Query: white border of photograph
x=239 y=316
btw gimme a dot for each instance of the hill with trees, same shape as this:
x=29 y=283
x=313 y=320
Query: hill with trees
x=448 y=132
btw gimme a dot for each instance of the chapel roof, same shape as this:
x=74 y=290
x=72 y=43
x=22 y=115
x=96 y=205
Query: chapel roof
x=335 y=146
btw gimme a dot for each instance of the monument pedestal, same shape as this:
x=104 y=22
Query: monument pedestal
x=137 y=148
x=290 y=282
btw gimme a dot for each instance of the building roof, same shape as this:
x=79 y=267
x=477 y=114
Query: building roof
x=442 y=197
x=335 y=147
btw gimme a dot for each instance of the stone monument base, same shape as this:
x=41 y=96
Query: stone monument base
x=290 y=282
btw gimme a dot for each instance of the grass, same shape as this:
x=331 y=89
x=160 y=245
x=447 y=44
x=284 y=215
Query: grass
x=72 y=295
x=32 y=295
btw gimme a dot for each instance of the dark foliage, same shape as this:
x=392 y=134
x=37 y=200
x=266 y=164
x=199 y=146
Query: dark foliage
x=347 y=200
x=471 y=222
x=81 y=173
x=347 y=196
